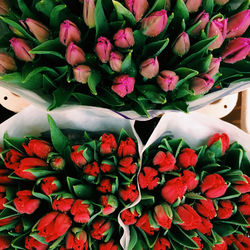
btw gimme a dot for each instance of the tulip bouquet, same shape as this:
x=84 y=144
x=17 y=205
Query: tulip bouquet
x=124 y=55
x=58 y=195
x=192 y=198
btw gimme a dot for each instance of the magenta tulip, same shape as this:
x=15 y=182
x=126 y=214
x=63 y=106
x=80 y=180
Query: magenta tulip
x=69 y=32
x=123 y=85
x=203 y=18
x=167 y=80
x=137 y=7
x=115 y=61
x=74 y=55
x=89 y=13
x=103 y=49
x=193 y=5
x=202 y=84
x=214 y=66
x=149 y=68
x=7 y=63
x=154 y=24
x=124 y=38
x=182 y=44
x=236 y=50
x=82 y=73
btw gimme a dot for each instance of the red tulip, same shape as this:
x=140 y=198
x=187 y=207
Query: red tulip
x=149 y=68
x=190 y=179
x=109 y=204
x=193 y=5
x=129 y=216
x=124 y=38
x=69 y=32
x=115 y=61
x=243 y=186
x=7 y=221
x=91 y=170
x=127 y=166
x=3 y=199
x=50 y=185
x=62 y=204
x=129 y=193
x=148 y=178
x=81 y=210
x=21 y=49
x=89 y=12
x=146 y=225
x=100 y=229
x=4 y=176
x=224 y=140
x=167 y=80
x=201 y=84
x=105 y=186
x=238 y=24
x=220 y=246
x=165 y=161
x=137 y=7
x=108 y=144
x=161 y=244
x=82 y=73
x=74 y=55
x=31 y=243
x=56 y=162
x=127 y=148
x=197 y=240
x=214 y=66
x=181 y=44
x=163 y=215
x=103 y=49
x=76 y=239
x=206 y=208
x=242 y=242
x=205 y=226
x=123 y=85
x=12 y=159
x=203 y=18
x=244 y=204
x=77 y=156
x=108 y=246
x=187 y=158
x=38 y=148
x=107 y=167
x=5 y=240
x=213 y=186
x=225 y=209
x=7 y=63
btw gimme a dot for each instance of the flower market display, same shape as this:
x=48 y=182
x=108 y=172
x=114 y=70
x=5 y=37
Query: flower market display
x=59 y=194
x=192 y=198
x=124 y=55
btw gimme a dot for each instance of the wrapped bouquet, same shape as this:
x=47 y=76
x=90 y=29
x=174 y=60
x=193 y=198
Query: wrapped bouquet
x=136 y=55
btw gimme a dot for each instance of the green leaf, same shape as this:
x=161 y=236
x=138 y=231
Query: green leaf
x=236 y=219
x=127 y=63
x=71 y=182
x=153 y=93
x=18 y=242
x=150 y=240
x=164 y=144
x=176 y=218
x=57 y=242
x=58 y=15
x=234 y=158
x=93 y=80
x=13 y=142
x=194 y=196
x=185 y=74
x=208 y=6
x=202 y=64
x=26 y=12
x=39 y=238
x=223 y=229
x=180 y=10
x=158 y=5
x=155 y=48
x=122 y=136
x=102 y=26
x=138 y=105
x=45 y=6
x=110 y=98
x=87 y=100
x=40 y=172
x=133 y=238
x=120 y=9
x=230 y=194
x=15 y=78
x=140 y=40
x=147 y=200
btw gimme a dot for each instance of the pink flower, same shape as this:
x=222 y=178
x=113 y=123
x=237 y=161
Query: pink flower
x=214 y=66
x=82 y=73
x=203 y=18
x=182 y=44
x=137 y=7
x=115 y=61
x=7 y=63
x=69 y=32
x=149 y=68
x=193 y=5
x=201 y=84
x=124 y=38
x=103 y=49
x=167 y=80
x=123 y=85
x=74 y=55
x=89 y=13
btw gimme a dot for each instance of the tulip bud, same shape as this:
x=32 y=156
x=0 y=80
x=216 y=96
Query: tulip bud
x=56 y=161
x=129 y=193
x=103 y=49
x=74 y=55
x=109 y=245
x=193 y=5
x=243 y=186
x=5 y=240
x=202 y=84
x=154 y=24
x=100 y=229
x=225 y=209
x=69 y=32
x=164 y=161
x=217 y=27
x=148 y=178
x=236 y=50
x=206 y=208
x=190 y=179
x=127 y=147
x=221 y=2
x=137 y=7
x=32 y=243
x=182 y=44
x=205 y=226
x=4 y=176
x=149 y=68
x=214 y=66
x=163 y=215
x=115 y=61
x=167 y=80
x=109 y=204
x=4 y=7
x=105 y=186
x=203 y=18
x=108 y=144
x=82 y=73
x=123 y=85
x=40 y=31
x=187 y=158
x=127 y=166
x=77 y=156
x=12 y=159
x=89 y=13
x=124 y=38
x=3 y=199
x=147 y=224
x=238 y=24
x=76 y=239
x=7 y=63
x=21 y=49
x=50 y=185
x=91 y=171
x=162 y=243
x=224 y=141
x=244 y=204
x=129 y=216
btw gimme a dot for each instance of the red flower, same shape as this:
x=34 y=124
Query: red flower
x=3 y=199
x=130 y=193
x=173 y=190
x=108 y=144
x=148 y=178
x=53 y=225
x=221 y=246
x=145 y=225
x=224 y=140
x=242 y=242
x=225 y=209
x=77 y=240
x=19 y=227
x=38 y=148
x=106 y=168
x=243 y=186
x=81 y=210
x=205 y=226
x=187 y=158
x=109 y=203
x=105 y=186
x=197 y=240
x=244 y=205
x=4 y=176
x=50 y=185
x=77 y=157
x=127 y=148
x=191 y=220
x=24 y=202
x=127 y=166
x=161 y=244
x=62 y=204
x=206 y=208
x=165 y=161
x=108 y=246
x=92 y=169
x=100 y=229
x=12 y=159
x=213 y=186
x=5 y=242
x=129 y=217
x=190 y=179
x=8 y=220
x=29 y=163
x=163 y=216
x=31 y=243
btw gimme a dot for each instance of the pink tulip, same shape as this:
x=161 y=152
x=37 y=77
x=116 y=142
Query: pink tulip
x=149 y=68
x=40 y=31
x=74 y=55
x=193 y=5
x=21 y=49
x=236 y=50
x=182 y=44
x=124 y=38
x=123 y=85
x=154 y=24
x=115 y=61
x=167 y=80
x=214 y=66
x=218 y=27
x=238 y=24
x=4 y=7
x=7 y=63
x=137 y=7
x=69 y=32
x=82 y=73
x=103 y=49
x=203 y=18
x=89 y=13
x=221 y=2
x=202 y=84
